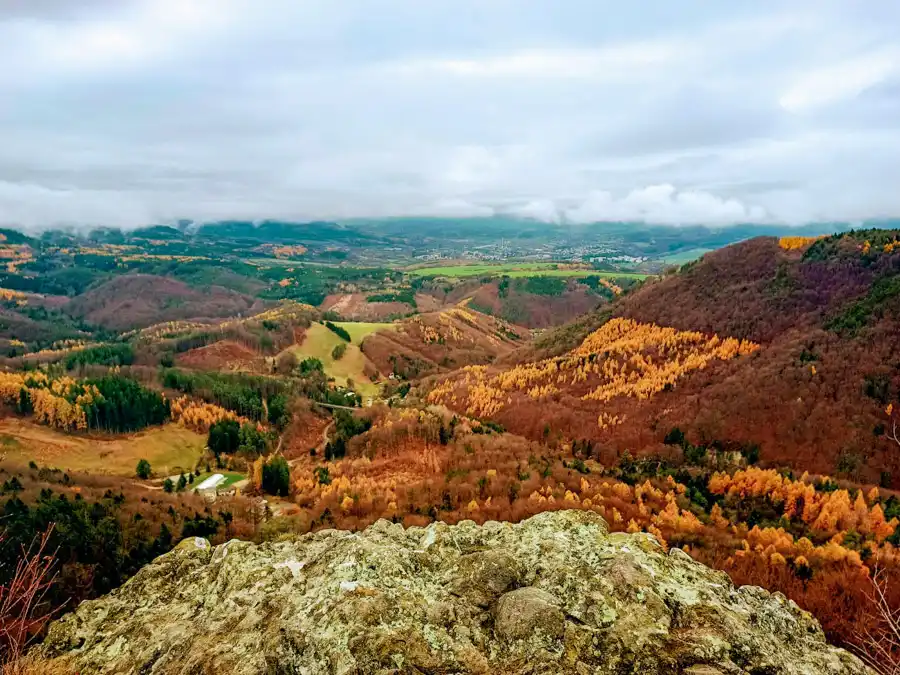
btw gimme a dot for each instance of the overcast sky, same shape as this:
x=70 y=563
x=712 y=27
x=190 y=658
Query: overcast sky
x=127 y=112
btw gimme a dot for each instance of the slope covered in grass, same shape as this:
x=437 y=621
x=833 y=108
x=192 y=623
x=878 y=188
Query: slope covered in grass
x=169 y=449
x=319 y=343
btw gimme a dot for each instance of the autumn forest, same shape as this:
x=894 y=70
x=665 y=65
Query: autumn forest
x=744 y=407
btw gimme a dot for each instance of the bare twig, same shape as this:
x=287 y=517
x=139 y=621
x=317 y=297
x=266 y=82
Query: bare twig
x=879 y=646
x=21 y=599
x=893 y=435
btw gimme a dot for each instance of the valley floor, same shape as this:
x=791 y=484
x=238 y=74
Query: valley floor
x=170 y=449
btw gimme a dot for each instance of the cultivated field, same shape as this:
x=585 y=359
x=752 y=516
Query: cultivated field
x=169 y=449
x=519 y=270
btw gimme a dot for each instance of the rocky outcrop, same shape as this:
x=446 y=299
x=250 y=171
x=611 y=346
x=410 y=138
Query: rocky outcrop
x=555 y=594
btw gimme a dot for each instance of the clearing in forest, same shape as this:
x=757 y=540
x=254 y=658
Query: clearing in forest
x=359 y=329
x=170 y=448
x=319 y=342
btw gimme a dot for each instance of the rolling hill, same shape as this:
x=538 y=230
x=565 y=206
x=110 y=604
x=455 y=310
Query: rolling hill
x=140 y=300
x=788 y=346
x=319 y=342
x=532 y=302
x=441 y=341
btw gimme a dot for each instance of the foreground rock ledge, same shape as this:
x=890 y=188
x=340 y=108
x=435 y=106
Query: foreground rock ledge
x=554 y=594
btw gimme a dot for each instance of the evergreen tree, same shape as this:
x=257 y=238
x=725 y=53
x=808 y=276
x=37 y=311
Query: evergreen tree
x=276 y=477
x=125 y=405
x=199 y=526
x=143 y=469
x=251 y=442
x=278 y=413
x=224 y=437
x=163 y=542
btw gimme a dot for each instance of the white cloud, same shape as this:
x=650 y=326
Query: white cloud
x=472 y=165
x=454 y=208
x=615 y=62
x=116 y=112
x=33 y=207
x=664 y=205
x=539 y=209
x=129 y=35
x=847 y=79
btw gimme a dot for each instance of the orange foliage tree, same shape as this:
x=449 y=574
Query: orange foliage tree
x=199 y=415
x=417 y=466
x=623 y=358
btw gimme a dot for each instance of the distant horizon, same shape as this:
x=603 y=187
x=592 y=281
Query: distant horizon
x=182 y=224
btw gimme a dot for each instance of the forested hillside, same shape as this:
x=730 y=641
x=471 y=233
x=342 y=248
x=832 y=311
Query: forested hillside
x=743 y=408
x=138 y=301
x=532 y=302
x=816 y=324
x=441 y=341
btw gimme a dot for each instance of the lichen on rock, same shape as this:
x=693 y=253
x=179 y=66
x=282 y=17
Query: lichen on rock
x=555 y=594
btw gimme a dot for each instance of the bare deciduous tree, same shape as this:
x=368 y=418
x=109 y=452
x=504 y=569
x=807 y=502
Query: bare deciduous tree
x=894 y=421
x=879 y=646
x=23 y=613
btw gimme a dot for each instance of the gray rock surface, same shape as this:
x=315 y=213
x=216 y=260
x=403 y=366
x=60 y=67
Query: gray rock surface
x=555 y=594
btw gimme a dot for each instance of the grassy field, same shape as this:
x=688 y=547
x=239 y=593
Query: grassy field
x=169 y=448
x=683 y=257
x=519 y=270
x=320 y=342
x=359 y=329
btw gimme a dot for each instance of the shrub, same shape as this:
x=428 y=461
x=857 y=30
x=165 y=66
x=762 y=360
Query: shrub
x=674 y=437
x=143 y=469
x=310 y=365
x=286 y=363
x=22 y=612
x=338 y=352
x=199 y=526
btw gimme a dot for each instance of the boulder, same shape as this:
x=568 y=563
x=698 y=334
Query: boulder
x=555 y=594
